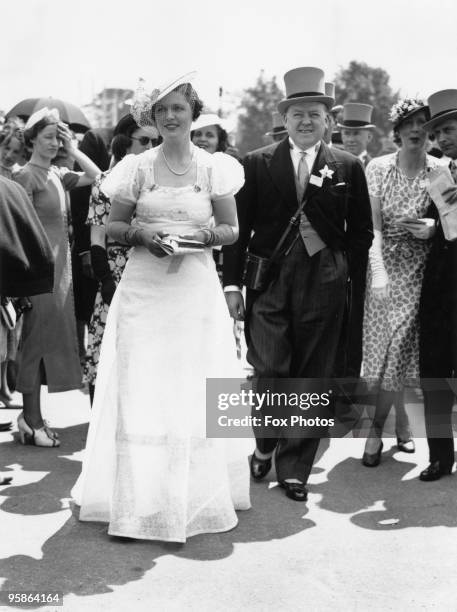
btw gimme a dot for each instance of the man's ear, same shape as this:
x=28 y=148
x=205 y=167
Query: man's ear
x=370 y=136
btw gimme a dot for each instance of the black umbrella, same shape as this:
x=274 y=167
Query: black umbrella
x=69 y=113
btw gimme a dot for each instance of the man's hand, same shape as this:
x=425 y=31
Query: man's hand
x=235 y=305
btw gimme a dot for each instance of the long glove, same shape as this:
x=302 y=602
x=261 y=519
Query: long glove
x=379 y=276
x=102 y=272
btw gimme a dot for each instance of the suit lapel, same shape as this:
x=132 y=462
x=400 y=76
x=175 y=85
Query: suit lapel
x=323 y=158
x=280 y=167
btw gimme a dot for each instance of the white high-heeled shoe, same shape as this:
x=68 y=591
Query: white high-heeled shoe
x=36 y=437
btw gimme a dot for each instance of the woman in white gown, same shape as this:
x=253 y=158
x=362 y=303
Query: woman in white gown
x=149 y=470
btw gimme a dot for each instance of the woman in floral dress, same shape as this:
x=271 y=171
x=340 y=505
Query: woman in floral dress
x=397 y=185
x=108 y=257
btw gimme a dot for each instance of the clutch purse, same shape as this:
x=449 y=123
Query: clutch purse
x=176 y=245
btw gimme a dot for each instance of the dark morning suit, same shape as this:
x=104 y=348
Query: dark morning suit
x=85 y=288
x=349 y=354
x=438 y=346
x=293 y=326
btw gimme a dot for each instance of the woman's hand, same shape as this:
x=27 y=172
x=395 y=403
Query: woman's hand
x=382 y=293
x=422 y=231
x=64 y=133
x=149 y=240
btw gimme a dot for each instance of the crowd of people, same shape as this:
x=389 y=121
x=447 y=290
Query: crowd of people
x=112 y=257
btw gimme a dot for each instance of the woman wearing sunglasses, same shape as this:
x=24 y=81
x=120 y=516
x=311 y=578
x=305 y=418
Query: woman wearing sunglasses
x=108 y=257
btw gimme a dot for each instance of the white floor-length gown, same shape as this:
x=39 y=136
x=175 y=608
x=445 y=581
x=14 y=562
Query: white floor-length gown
x=148 y=469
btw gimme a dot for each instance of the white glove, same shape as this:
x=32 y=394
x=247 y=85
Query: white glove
x=379 y=276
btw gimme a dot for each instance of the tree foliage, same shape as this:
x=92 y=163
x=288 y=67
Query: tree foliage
x=258 y=103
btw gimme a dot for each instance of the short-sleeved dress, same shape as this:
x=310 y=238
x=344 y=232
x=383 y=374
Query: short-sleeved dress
x=117 y=254
x=149 y=470
x=49 y=328
x=390 y=329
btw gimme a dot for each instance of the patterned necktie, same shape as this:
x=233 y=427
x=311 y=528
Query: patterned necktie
x=453 y=170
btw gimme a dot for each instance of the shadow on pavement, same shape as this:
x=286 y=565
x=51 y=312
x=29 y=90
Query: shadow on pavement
x=352 y=488
x=82 y=559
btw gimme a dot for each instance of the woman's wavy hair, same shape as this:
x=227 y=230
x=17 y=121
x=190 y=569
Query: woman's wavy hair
x=122 y=137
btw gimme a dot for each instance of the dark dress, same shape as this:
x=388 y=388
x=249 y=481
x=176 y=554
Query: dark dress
x=49 y=328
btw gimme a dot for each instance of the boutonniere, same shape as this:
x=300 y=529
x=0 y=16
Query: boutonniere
x=326 y=172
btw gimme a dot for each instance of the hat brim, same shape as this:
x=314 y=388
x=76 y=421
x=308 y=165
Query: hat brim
x=284 y=104
x=185 y=78
x=277 y=133
x=424 y=108
x=452 y=114
x=369 y=126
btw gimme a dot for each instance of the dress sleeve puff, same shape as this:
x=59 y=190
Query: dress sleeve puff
x=374 y=174
x=226 y=176
x=68 y=177
x=124 y=181
x=99 y=203
x=27 y=180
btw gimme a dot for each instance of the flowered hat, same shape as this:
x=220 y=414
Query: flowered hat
x=405 y=108
x=143 y=102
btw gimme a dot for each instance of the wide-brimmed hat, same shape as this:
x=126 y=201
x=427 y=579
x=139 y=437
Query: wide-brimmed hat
x=207 y=119
x=356 y=116
x=143 y=102
x=41 y=114
x=442 y=105
x=278 y=125
x=405 y=108
x=305 y=84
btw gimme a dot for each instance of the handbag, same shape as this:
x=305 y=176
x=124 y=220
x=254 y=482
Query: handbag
x=257 y=269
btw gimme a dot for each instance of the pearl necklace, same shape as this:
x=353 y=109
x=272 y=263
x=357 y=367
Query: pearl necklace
x=175 y=171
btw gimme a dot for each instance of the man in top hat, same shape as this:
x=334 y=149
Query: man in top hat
x=279 y=131
x=438 y=306
x=356 y=133
x=293 y=325
x=356 y=129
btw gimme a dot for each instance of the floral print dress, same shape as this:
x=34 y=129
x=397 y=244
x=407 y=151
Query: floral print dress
x=99 y=207
x=390 y=329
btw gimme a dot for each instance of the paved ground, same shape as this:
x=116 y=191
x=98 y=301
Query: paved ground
x=367 y=539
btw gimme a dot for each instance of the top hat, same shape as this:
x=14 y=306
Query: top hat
x=305 y=85
x=356 y=116
x=442 y=105
x=278 y=125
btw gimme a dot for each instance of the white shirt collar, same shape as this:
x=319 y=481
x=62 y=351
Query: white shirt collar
x=312 y=151
x=363 y=155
